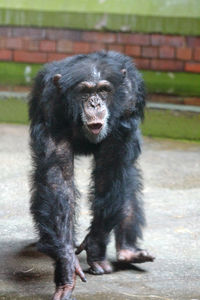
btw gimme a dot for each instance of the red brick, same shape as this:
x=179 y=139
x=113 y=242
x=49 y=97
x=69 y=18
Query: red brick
x=5 y=55
x=197 y=54
x=97 y=47
x=166 y=52
x=149 y=52
x=47 y=46
x=65 y=46
x=101 y=37
x=32 y=57
x=184 y=53
x=142 y=63
x=192 y=67
x=134 y=39
x=132 y=50
x=63 y=34
x=14 y=43
x=34 y=33
x=192 y=101
x=2 y=43
x=81 y=47
x=118 y=48
x=166 y=65
x=140 y=39
x=193 y=41
x=56 y=56
x=31 y=45
x=166 y=99
x=124 y=38
x=168 y=40
x=6 y=31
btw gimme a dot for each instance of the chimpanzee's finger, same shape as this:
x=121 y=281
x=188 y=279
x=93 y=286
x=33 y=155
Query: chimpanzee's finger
x=63 y=292
x=79 y=271
x=81 y=247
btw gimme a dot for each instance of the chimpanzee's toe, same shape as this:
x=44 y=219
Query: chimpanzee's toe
x=100 y=267
x=134 y=256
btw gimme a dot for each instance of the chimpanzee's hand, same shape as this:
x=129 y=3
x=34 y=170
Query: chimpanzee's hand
x=64 y=292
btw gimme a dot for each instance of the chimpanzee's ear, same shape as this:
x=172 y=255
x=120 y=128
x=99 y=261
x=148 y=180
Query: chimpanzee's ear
x=123 y=71
x=56 y=79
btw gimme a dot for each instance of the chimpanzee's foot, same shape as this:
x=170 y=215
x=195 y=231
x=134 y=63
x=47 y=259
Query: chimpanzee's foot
x=64 y=292
x=100 y=267
x=134 y=255
x=96 y=255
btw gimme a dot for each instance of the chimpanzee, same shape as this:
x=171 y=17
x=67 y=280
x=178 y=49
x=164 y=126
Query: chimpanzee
x=87 y=104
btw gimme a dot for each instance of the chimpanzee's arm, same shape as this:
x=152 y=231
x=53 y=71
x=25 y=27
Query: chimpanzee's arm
x=53 y=200
x=115 y=186
x=117 y=204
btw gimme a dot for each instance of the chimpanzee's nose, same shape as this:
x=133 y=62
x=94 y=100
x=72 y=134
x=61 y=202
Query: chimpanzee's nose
x=94 y=102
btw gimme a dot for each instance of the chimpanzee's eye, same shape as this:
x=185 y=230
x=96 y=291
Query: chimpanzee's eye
x=105 y=89
x=84 y=90
x=85 y=87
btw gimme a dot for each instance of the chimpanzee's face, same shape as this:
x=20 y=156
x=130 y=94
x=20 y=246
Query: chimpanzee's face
x=93 y=92
x=95 y=97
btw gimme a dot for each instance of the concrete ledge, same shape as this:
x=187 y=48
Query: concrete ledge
x=172 y=17
x=175 y=107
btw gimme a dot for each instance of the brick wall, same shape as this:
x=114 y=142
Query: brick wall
x=150 y=51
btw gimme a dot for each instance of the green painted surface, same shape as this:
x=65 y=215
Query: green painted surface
x=183 y=84
x=17 y=73
x=158 y=123
x=171 y=16
x=142 y=7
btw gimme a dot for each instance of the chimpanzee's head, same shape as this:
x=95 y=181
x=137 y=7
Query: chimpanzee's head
x=94 y=95
x=98 y=91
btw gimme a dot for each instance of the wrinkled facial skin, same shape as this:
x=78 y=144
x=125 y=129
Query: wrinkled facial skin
x=95 y=98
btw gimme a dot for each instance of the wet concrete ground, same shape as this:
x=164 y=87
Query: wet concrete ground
x=172 y=196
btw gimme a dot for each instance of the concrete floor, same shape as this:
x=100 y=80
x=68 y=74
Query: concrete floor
x=172 y=196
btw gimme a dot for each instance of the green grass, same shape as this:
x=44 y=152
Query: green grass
x=158 y=123
x=172 y=124
x=13 y=111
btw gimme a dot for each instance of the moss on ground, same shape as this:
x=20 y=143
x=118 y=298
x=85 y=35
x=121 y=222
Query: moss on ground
x=13 y=111
x=171 y=124
x=158 y=123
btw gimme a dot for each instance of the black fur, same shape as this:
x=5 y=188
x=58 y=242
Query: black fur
x=56 y=136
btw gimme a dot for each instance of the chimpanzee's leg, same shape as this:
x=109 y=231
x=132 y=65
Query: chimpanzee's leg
x=129 y=229
x=107 y=198
x=116 y=190
x=53 y=196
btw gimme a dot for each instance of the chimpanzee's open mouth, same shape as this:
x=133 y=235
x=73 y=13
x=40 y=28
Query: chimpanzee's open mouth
x=95 y=128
